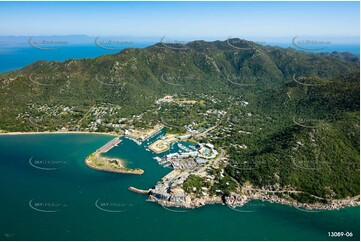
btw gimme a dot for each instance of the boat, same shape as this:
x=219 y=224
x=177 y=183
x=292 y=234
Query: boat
x=157 y=158
x=182 y=147
x=162 y=162
x=193 y=147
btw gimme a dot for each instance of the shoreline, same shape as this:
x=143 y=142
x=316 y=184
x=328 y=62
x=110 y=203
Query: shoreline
x=238 y=200
x=200 y=202
x=102 y=163
x=123 y=171
x=58 y=132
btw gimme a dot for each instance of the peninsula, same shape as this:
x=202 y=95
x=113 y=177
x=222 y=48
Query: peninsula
x=101 y=163
x=264 y=122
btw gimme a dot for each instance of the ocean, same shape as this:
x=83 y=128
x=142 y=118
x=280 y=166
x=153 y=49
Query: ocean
x=13 y=57
x=18 y=56
x=48 y=193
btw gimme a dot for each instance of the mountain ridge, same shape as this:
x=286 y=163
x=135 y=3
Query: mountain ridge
x=282 y=106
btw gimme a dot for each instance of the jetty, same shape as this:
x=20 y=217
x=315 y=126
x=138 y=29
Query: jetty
x=98 y=162
x=136 y=190
x=108 y=146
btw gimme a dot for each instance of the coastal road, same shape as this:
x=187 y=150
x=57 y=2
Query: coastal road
x=215 y=126
x=85 y=115
x=295 y=191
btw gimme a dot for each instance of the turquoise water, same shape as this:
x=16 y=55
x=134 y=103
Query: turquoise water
x=70 y=191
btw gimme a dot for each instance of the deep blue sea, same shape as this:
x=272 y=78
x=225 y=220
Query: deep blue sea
x=352 y=48
x=14 y=57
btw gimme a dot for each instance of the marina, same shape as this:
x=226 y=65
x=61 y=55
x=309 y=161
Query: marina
x=82 y=186
x=144 y=135
x=98 y=162
x=163 y=144
x=180 y=121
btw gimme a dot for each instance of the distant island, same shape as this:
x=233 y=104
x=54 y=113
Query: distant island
x=260 y=122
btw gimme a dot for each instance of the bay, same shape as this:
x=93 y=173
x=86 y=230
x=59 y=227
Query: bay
x=48 y=193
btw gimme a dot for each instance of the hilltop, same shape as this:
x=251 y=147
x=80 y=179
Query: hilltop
x=286 y=119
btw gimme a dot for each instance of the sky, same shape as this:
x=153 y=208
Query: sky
x=188 y=20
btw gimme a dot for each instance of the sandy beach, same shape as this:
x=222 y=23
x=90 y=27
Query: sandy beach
x=58 y=132
x=122 y=169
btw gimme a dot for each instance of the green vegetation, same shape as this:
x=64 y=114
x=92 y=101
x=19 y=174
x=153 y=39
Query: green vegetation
x=285 y=118
x=194 y=181
x=226 y=185
x=306 y=198
x=98 y=162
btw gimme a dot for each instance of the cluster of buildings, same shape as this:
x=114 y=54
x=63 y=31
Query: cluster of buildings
x=207 y=151
x=168 y=191
x=165 y=99
x=184 y=163
x=189 y=159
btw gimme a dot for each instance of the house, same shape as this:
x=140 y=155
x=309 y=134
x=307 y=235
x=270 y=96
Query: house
x=201 y=161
